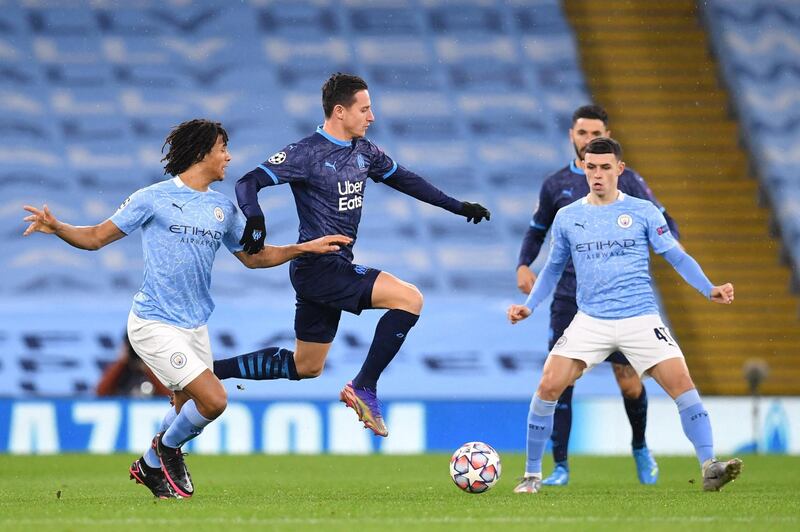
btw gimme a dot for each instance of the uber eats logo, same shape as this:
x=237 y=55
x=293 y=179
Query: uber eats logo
x=351 y=195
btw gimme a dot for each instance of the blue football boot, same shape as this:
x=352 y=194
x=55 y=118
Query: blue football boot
x=559 y=476
x=646 y=466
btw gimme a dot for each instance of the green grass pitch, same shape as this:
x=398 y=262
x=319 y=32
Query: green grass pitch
x=233 y=493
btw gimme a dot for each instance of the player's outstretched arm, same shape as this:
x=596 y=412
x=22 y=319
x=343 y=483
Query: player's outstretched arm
x=270 y=256
x=90 y=237
x=691 y=272
x=417 y=187
x=722 y=294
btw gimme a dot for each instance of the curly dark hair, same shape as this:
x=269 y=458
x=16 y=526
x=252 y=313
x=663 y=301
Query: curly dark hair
x=189 y=142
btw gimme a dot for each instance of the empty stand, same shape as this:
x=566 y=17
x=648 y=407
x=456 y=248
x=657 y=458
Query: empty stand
x=476 y=96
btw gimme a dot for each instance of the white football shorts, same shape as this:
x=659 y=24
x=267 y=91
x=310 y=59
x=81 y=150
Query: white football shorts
x=176 y=355
x=644 y=340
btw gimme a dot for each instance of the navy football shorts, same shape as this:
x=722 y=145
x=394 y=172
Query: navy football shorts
x=562 y=311
x=324 y=287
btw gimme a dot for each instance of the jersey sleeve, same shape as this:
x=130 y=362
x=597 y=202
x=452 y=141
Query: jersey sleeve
x=234 y=230
x=553 y=268
x=287 y=166
x=559 y=242
x=538 y=227
x=546 y=209
x=134 y=212
x=381 y=166
x=658 y=231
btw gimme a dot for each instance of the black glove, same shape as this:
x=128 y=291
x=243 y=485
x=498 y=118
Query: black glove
x=255 y=232
x=475 y=212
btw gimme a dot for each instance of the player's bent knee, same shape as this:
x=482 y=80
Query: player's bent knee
x=631 y=389
x=417 y=300
x=411 y=300
x=549 y=390
x=213 y=406
x=309 y=370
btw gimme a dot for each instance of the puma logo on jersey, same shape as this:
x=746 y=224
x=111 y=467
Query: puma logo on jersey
x=177 y=207
x=582 y=226
x=330 y=165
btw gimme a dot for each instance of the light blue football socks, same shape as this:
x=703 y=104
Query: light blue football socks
x=696 y=424
x=150 y=457
x=187 y=425
x=540 y=426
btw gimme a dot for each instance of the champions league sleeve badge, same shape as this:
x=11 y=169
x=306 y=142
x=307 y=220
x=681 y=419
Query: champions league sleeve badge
x=278 y=158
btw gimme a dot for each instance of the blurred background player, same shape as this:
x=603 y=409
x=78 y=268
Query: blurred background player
x=327 y=172
x=608 y=235
x=129 y=376
x=558 y=190
x=183 y=223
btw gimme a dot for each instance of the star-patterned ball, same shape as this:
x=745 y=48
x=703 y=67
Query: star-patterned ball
x=475 y=467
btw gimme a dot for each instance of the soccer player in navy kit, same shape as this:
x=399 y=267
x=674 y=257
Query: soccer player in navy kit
x=559 y=190
x=328 y=173
x=607 y=235
x=184 y=223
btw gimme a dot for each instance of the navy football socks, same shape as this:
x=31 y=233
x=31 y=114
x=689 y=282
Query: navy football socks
x=389 y=336
x=265 y=364
x=562 y=425
x=637 y=415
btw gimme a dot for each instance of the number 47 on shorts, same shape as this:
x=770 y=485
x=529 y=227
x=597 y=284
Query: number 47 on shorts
x=663 y=334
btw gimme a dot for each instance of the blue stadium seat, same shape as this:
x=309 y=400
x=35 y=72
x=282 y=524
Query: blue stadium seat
x=297 y=18
x=385 y=21
x=474 y=96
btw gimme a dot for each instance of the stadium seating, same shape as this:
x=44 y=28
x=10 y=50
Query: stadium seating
x=758 y=45
x=476 y=96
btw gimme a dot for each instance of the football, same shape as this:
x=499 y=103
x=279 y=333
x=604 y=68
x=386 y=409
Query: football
x=475 y=467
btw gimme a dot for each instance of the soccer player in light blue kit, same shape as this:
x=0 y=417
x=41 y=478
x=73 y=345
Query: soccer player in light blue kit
x=608 y=234
x=183 y=223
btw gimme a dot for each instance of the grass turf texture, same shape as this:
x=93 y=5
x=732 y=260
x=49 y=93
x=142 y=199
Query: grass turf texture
x=82 y=492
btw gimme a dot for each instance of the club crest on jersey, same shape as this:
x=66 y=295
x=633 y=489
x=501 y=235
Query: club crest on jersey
x=278 y=158
x=624 y=221
x=360 y=162
x=219 y=214
x=178 y=360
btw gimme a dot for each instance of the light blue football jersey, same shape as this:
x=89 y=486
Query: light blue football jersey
x=182 y=229
x=609 y=245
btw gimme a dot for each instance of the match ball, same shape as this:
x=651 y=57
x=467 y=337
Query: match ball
x=475 y=467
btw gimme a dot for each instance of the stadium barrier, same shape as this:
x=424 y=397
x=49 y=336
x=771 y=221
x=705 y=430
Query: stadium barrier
x=313 y=426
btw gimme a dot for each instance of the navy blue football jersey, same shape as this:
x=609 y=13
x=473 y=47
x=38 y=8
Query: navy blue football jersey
x=328 y=177
x=563 y=188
